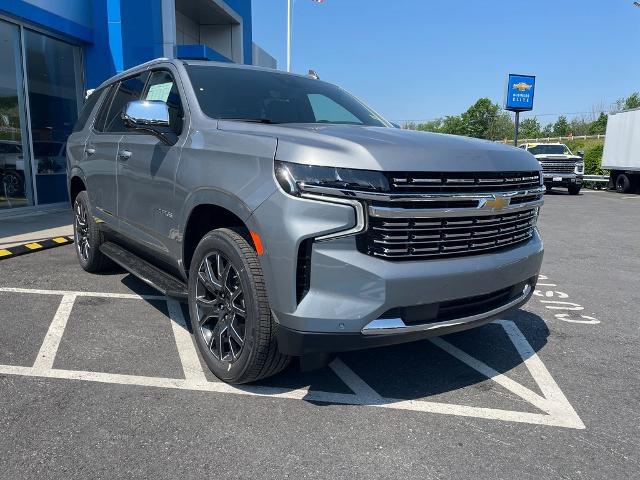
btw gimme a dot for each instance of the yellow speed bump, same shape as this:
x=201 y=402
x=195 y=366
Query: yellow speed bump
x=10 y=252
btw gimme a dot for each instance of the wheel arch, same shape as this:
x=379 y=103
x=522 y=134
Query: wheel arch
x=76 y=185
x=205 y=217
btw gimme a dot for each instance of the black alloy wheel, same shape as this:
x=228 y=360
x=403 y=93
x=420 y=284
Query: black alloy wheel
x=221 y=309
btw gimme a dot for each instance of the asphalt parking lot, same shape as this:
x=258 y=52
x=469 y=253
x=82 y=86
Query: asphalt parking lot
x=99 y=378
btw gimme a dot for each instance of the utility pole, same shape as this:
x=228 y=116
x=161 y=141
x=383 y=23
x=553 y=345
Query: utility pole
x=289 y=29
x=289 y=15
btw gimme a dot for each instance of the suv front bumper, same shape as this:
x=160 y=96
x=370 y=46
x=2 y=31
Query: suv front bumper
x=350 y=291
x=562 y=179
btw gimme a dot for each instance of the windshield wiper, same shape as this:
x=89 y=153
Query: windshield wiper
x=250 y=120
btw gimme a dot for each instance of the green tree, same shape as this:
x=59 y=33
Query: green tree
x=579 y=126
x=593 y=160
x=599 y=126
x=547 y=131
x=632 y=101
x=502 y=128
x=453 y=125
x=561 y=128
x=430 y=126
x=479 y=118
x=530 y=128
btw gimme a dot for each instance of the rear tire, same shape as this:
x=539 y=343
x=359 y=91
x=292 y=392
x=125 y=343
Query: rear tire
x=623 y=184
x=574 y=189
x=230 y=314
x=87 y=236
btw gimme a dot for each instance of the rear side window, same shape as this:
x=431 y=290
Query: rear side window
x=128 y=90
x=87 y=110
x=162 y=87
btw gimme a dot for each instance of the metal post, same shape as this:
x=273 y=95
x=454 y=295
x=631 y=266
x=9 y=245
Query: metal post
x=515 y=140
x=289 y=17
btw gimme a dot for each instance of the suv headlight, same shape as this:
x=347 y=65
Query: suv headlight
x=579 y=168
x=298 y=180
x=295 y=178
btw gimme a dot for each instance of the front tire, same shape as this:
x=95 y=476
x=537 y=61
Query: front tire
x=87 y=236
x=229 y=310
x=574 y=189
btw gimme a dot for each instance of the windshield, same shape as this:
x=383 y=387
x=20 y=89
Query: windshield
x=549 y=150
x=270 y=97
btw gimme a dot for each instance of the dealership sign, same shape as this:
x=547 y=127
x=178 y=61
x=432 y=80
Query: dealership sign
x=519 y=93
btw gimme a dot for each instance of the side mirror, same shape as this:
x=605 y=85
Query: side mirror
x=150 y=116
x=580 y=153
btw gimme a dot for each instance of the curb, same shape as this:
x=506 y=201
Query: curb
x=18 y=250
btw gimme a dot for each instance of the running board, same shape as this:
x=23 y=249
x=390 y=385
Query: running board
x=150 y=274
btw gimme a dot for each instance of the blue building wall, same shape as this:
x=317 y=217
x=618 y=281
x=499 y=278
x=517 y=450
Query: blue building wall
x=243 y=8
x=142 y=39
x=71 y=17
x=116 y=34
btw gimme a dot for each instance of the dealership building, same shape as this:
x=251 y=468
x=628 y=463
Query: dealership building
x=53 y=51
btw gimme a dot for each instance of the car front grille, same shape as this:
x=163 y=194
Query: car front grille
x=558 y=167
x=466 y=182
x=412 y=239
x=431 y=215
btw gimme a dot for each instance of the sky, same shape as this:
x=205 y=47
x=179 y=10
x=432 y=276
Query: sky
x=423 y=59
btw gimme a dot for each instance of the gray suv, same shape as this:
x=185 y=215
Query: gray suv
x=293 y=219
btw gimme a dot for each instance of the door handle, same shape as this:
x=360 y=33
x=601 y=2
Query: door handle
x=90 y=150
x=124 y=154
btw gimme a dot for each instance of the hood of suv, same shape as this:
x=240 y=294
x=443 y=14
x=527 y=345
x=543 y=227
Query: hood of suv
x=386 y=149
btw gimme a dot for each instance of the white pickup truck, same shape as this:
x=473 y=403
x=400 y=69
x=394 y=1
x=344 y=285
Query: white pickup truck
x=622 y=151
x=560 y=167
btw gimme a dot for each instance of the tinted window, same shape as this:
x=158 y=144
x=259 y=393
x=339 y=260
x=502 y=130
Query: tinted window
x=325 y=110
x=129 y=90
x=104 y=109
x=549 y=150
x=162 y=86
x=87 y=110
x=256 y=95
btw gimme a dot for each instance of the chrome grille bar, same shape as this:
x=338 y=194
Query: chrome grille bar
x=393 y=212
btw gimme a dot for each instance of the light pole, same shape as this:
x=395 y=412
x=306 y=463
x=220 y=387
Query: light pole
x=289 y=15
x=289 y=33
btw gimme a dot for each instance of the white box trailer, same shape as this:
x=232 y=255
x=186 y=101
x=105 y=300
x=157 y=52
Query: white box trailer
x=622 y=150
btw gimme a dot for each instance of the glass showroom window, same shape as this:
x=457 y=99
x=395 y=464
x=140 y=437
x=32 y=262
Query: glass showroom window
x=15 y=174
x=53 y=80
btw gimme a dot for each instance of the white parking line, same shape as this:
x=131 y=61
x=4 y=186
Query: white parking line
x=556 y=409
x=523 y=392
x=49 y=348
x=355 y=383
x=132 y=296
x=188 y=356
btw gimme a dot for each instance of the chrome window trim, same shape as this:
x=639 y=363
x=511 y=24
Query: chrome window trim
x=393 y=326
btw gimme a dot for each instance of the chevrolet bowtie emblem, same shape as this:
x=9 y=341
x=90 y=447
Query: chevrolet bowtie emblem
x=496 y=203
x=522 y=86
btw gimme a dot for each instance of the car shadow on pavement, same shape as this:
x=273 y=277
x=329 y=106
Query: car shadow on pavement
x=412 y=371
